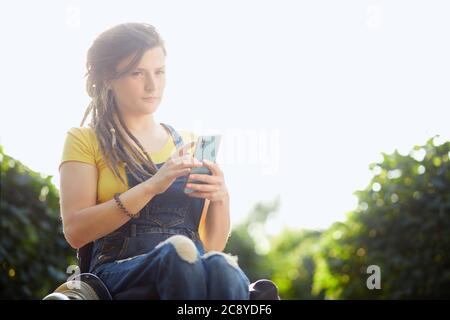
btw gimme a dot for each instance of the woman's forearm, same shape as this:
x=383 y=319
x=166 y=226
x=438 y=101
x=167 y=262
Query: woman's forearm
x=217 y=225
x=94 y=222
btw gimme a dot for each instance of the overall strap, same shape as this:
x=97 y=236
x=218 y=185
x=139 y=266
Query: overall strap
x=176 y=137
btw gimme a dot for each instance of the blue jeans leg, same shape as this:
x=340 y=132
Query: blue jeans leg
x=225 y=280
x=172 y=270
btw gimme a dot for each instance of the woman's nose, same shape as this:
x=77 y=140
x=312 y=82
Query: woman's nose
x=150 y=84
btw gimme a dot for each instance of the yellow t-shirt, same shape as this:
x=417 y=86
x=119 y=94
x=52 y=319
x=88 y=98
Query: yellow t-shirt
x=81 y=144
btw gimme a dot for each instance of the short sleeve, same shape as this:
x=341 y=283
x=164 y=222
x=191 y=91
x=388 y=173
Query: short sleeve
x=78 y=146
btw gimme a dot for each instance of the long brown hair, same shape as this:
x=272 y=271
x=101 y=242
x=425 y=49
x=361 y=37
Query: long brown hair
x=108 y=49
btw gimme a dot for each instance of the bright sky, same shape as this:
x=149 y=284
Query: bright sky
x=306 y=93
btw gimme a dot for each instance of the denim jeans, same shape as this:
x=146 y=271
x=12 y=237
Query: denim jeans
x=176 y=269
x=159 y=255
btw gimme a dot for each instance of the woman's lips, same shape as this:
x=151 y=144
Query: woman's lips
x=151 y=99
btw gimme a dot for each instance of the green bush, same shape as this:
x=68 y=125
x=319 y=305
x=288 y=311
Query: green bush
x=34 y=255
x=292 y=258
x=402 y=225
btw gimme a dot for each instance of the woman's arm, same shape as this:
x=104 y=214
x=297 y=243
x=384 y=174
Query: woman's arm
x=216 y=230
x=83 y=220
x=217 y=225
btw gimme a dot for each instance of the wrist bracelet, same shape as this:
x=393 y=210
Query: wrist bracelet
x=122 y=207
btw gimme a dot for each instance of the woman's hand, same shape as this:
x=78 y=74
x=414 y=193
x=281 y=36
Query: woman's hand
x=179 y=164
x=214 y=188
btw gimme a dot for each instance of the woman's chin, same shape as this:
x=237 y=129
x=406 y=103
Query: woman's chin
x=149 y=109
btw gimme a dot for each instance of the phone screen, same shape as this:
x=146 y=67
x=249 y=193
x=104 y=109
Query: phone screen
x=206 y=148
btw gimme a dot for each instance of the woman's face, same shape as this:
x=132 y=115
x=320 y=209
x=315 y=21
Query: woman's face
x=146 y=80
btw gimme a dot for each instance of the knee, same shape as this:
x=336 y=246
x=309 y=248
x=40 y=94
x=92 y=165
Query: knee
x=225 y=274
x=183 y=247
x=219 y=259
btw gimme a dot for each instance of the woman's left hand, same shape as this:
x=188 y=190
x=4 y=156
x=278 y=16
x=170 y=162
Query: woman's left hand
x=214 y=188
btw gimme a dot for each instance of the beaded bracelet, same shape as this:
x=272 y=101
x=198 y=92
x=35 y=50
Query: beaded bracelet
x=121 y=206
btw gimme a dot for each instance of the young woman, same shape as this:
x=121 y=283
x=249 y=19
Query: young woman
x=122 y=182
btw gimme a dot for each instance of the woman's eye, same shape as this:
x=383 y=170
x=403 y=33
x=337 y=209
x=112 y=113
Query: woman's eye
x=137 y=73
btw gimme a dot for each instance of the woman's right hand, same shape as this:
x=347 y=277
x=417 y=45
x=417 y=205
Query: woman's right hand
x=179 y=164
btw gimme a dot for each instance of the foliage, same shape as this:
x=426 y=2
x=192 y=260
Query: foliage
x=402 y=225
x=286 y=258
x=34 y=255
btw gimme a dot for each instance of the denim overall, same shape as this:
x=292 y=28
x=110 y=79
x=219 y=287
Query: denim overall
x=142 y=260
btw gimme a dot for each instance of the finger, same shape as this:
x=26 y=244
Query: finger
x=203 y=177
x=198 y=194
x=185 y=148
x=180 y=172
x=186 y=161
x=180 y=152
x=193 y=160
x=202 y=187
x=214 y=167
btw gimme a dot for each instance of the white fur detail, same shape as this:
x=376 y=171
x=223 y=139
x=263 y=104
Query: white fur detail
x=232 y=260
x=184 y=246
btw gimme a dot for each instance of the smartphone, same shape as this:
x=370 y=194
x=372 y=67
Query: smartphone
x=206 y=148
